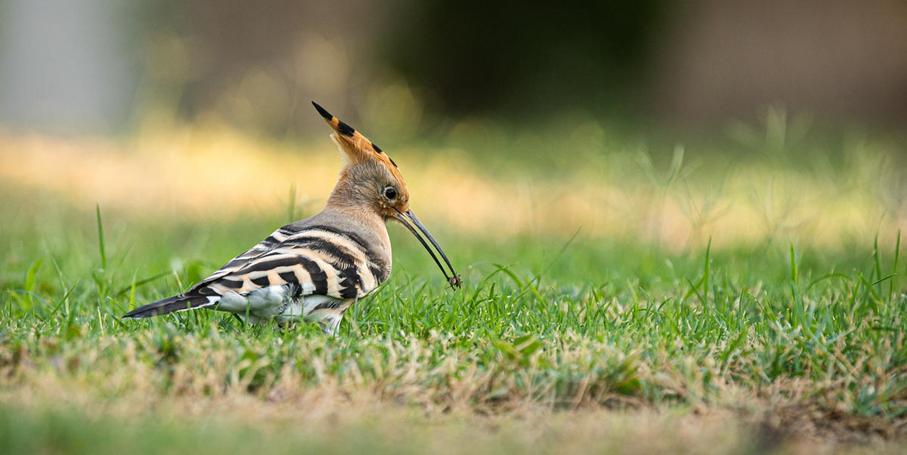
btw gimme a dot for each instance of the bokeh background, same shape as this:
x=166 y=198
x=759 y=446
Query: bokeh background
x=675 y=122
x=102 y=65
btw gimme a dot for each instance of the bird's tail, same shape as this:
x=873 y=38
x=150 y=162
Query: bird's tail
x=169 y=305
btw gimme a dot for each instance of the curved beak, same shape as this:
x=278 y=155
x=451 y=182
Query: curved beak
x=409 y=219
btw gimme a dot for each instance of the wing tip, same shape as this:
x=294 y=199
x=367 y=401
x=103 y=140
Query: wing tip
x=138 y=313
x=168 y=305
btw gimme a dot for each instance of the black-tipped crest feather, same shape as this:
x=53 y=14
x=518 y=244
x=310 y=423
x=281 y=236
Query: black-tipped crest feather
x=322 y=111
x=345 y=129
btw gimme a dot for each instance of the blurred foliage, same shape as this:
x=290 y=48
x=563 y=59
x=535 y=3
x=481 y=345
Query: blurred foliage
x=408 y=66
x=393 y=61
x=475 y=56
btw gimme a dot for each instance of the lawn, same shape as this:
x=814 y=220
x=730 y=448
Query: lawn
x=616 y=298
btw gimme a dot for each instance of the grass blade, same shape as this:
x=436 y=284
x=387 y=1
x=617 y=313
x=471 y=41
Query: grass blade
x=102 y=249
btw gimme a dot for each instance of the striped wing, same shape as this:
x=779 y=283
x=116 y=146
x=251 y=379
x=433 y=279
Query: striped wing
x=318 y=260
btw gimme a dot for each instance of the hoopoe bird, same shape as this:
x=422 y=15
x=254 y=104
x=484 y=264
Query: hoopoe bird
x=317 y=268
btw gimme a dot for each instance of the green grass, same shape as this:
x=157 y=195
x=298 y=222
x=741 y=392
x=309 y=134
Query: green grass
x=558 y=325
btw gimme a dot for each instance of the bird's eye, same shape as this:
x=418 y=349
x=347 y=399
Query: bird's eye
x=390 y=193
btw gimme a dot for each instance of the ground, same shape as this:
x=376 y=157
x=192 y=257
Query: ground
x=743 y=298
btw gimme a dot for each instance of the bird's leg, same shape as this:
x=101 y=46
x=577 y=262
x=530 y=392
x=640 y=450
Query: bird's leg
x=330 y=323
x=286 y=324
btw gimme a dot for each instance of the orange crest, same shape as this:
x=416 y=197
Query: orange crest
x=355 y=145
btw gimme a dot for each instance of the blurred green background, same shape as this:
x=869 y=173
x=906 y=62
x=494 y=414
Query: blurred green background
x=406 y=67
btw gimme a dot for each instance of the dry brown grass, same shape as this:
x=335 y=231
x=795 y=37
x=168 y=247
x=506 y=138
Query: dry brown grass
x=469 y=409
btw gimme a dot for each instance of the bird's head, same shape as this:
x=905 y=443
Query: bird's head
x=372 y=181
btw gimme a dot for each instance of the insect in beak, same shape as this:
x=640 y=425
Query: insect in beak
x=409 y=219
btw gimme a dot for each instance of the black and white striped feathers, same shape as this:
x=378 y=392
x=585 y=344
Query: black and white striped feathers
x=314 y=259
x=311 y=261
